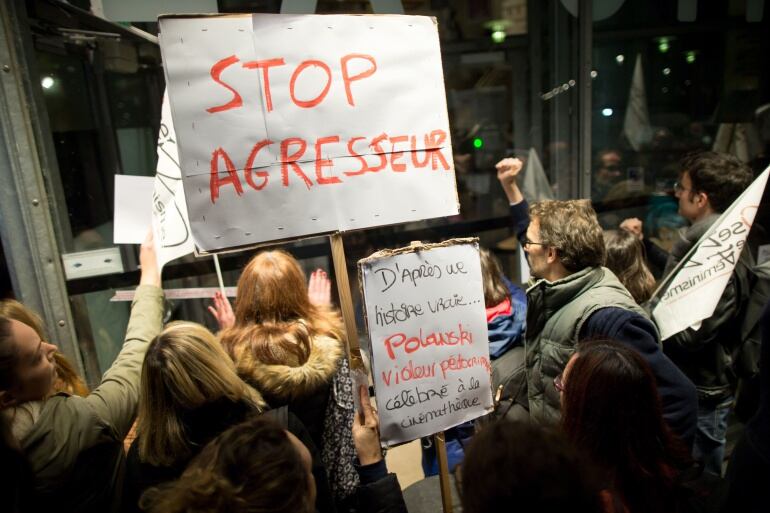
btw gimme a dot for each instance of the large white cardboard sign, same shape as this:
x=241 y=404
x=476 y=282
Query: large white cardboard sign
x=428 y=335
x=293 y=125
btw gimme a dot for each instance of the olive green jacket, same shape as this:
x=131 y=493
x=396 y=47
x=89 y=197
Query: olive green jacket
x=75 y=446
x=556 y=312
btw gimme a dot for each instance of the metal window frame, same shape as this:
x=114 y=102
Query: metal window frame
x=27 y=225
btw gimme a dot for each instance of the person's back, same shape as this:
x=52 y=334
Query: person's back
x=190 y=393
x=292 y=351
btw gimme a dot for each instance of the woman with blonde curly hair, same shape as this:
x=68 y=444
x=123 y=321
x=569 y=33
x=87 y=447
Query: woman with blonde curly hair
x=67 y=378
x=292 y=350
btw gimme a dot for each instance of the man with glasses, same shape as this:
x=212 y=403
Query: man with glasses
x=708 y=184
x=574 y=298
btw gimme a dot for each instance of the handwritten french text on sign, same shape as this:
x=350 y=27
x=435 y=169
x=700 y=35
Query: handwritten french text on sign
x=428 y=333
x=281 y=139
x=697 y=285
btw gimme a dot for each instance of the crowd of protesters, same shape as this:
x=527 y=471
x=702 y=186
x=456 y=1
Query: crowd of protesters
x=593 y=413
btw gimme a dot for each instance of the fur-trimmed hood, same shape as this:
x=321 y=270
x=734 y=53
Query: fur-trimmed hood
x=285 y=383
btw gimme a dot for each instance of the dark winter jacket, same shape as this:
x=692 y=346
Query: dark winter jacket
x=703 y=354
x=379 y=492
x=749 y=472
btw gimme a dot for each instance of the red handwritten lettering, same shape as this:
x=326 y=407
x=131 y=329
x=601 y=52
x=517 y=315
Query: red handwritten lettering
x=380 y=152
x=318 y=99
x=364 y=166
x=437 y=137
x=414 y=343
x=249 y=171
x=265 y=65
x=321 y=163
x=415 y=162
x=215 y=182
x=291 y=160
x=216 y=72
x=347 y=79
x=395 y=155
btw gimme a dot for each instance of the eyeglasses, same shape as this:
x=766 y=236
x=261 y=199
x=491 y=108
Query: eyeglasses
x=679 y=188
x=528 y=242
x=558 y=384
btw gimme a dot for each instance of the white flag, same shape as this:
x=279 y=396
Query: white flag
x=534 y=183
x=636 y=124
x=695 y=286
x=170 y=225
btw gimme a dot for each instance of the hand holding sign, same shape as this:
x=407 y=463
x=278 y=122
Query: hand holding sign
x=366 y=430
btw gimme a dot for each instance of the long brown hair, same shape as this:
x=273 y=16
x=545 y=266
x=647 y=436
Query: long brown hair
x=611 y=410
x=185 y=368
x=495 y=290
x=275 y=321
x=252 y=467
x=626 y=258
x=68 y=379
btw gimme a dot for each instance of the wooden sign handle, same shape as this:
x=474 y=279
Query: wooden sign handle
x=443 y=471
x=346 y=300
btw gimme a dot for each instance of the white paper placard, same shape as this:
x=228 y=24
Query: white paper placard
x=428 y=334
x=170 y=224
x=133 y=208
x=279 y=140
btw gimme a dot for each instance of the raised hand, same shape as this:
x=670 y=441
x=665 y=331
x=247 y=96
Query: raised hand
x=319 y=288
x=148 y=261
x=222 y=311
x=634 y=226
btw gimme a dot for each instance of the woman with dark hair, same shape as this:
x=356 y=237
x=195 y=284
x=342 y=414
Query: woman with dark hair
x=611 y=410
x=292 y=351
x=519 y=466
x=626 y=258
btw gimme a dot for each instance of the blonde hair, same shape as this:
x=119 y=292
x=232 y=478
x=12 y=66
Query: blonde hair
x=185 y=368
x=572 y=228
x=275 y=322
x=626 y=258
x=68 y=379
x=495 y=290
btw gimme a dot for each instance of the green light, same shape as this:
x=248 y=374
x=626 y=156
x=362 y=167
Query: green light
x=498 y=36
x=478 y=142
x=663 y=45
x=690 y=57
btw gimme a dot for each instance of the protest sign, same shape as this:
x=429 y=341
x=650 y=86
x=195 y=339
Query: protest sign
x=293 y=125
x=428 y=337
x=691 y=293
x=170 y=225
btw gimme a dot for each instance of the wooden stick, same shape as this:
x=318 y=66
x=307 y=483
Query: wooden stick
x=443 y=472
x=219 y=276
x=346 y=299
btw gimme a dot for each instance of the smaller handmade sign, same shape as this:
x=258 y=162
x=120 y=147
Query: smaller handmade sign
x=428 y=337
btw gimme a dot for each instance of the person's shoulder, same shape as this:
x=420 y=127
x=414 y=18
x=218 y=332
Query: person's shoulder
x=614 y=321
